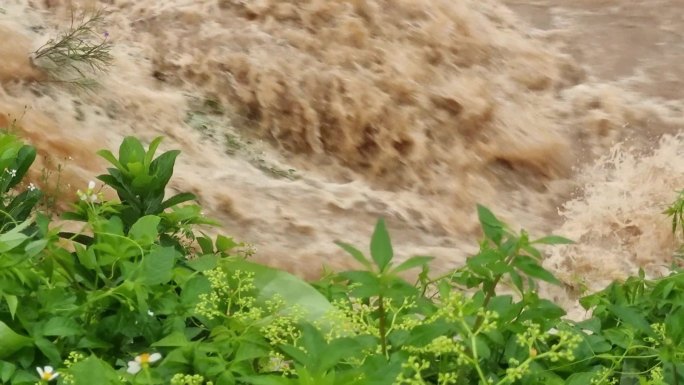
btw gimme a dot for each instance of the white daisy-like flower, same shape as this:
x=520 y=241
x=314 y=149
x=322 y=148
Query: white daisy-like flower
x=47 y=373
x=13 y=173
x=91 y=185
x=142 y=361
x=31 y=186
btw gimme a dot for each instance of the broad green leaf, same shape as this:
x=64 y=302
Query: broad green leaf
x=413 y=262
x=205 y=244
x=157 y=266
x=92 y=370
x=175 y=339
x=11 y=342
x=145 y=230
x=204 y=262
x=631 y=317
x=381 y=246
x=370 y=282
x=6 y=371
x=131 y=151
x=582 y=378
x=61 y=327
x=225 y=244
x=356 y=253
x=49 y=349
x=270 y=282
x=483 y=351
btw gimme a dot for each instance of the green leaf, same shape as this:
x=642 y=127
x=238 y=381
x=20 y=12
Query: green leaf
x=582 y=378
x=530 y=267
x=483 y=351
x=175 y=339
x=356 y=253
x=107 y=155
x=11 y=342
x=145 y=230
x=491 y=226
x=413 y=262
x=12 y=302
x=225 y=244
x=157 y=266
x=370 y=283
x=151 y=149
x=49 y=349
x=204 y=262
x=554 y=240
x=61 y=327
x=131 y=151
x=381 y=246
x=7 y=369
x=631 y=317
x=92 y=370
x=178 y=199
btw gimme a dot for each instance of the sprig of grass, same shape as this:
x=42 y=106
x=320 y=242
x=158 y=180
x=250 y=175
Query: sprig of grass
x=80 y=47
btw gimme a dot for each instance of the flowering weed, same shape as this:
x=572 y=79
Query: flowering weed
x=137 y=297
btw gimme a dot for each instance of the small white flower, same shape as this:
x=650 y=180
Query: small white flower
x=142 y=361
x=31 y=186
x=93 y=198
x=91 y=185
x=47 y=373
x=13 y=173
x=150 y=313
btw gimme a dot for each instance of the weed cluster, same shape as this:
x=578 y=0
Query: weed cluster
x=83 y=47
x=139 y=296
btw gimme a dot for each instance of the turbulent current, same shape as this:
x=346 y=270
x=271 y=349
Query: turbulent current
x=302 y=121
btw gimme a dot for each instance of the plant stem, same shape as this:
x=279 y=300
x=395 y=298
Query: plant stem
x=383 y=327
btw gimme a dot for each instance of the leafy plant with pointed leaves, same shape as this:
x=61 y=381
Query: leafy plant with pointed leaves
x=15 y=160
x=140 y=179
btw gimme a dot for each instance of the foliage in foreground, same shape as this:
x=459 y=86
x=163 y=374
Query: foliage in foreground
x=139 y=296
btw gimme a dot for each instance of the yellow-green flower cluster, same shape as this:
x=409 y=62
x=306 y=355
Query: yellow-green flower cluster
x=656 y=376
x=277 y=363
x=564 y=349
x=659 y=330
x=282 y=329
x=439 y=346
x=187 y=379
x=222 y=298
x=72 y=358
x=489 y=321
x=603 y=377
x=452 y=308
x=412 y=374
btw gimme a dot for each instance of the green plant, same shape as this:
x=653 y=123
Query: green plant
x=122 y=302
x=140 y=180
x=82 y=46
x=15 y=160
